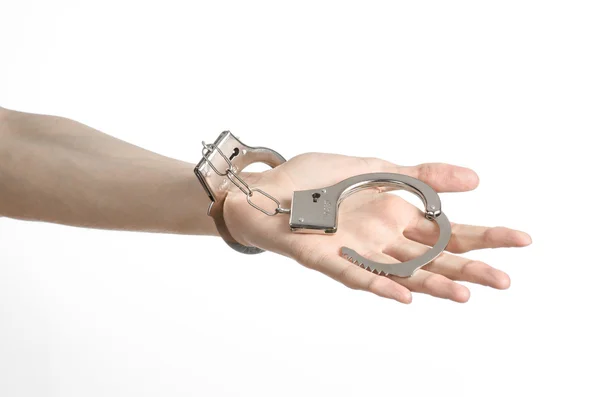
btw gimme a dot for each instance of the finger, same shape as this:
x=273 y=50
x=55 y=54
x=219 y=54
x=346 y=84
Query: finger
x=424 y=281
x=441 y=177
x=467 y=238
x=434 y=284
x=451 y=266
x=355 y=277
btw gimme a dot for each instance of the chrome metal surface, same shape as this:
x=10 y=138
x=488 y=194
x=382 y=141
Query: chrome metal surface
x=318 y=207
x=316 y=211
x=405 y=269
x=218 y=170
x=277 y=210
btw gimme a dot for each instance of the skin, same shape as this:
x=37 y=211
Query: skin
x=53 y=169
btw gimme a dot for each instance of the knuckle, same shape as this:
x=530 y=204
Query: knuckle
x=490 y=236
x=425 y=172
x=435 y=172
x=457 y=245
x=468 y=268
x=431 y=282
x=373 y=163
x=377 y=284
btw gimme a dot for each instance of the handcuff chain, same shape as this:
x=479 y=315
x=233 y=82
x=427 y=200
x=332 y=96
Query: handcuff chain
x=239 y=182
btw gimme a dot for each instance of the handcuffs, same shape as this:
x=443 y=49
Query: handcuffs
x=313 y=210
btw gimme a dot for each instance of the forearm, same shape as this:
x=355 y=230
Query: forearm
x=57 y=170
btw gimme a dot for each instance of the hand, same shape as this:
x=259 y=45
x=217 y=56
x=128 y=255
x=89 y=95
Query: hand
x=380 y=226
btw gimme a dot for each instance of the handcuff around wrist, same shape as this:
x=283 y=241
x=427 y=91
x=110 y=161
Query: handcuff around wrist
x=313 y=210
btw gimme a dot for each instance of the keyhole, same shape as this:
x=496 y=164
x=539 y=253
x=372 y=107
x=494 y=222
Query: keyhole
x=236 y=151
x=315 y=197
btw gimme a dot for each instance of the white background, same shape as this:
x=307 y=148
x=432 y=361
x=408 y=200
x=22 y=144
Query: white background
x=508 y=88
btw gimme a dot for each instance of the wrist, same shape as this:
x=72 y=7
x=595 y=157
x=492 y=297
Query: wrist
x=218 y=172
x=235 y=210
x=239 y=214
x=186 y=203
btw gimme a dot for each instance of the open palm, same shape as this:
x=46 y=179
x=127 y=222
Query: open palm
x=380 y=226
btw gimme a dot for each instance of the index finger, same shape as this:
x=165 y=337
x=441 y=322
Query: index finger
x=440 y=176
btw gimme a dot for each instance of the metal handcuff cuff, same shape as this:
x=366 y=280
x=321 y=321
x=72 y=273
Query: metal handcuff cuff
x=314 y=210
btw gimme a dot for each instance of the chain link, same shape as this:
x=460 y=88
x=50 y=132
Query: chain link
x=239 y=182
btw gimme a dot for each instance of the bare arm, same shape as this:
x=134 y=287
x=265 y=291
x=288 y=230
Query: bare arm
x=58 y=170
